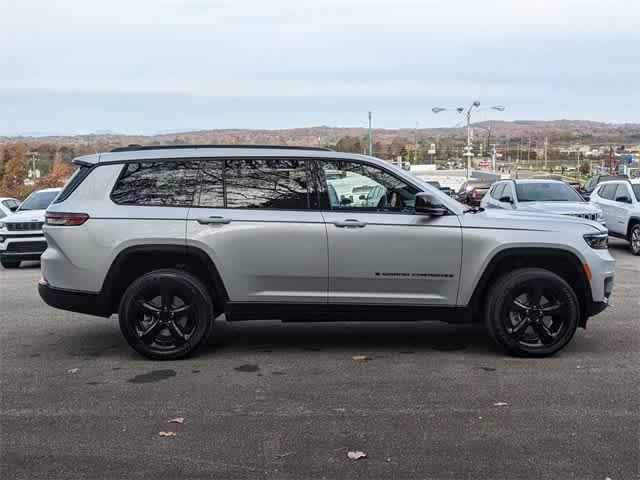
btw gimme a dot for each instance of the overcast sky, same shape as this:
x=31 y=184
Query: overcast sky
x=78 y=66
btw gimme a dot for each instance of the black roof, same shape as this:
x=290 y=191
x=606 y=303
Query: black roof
x=136 y=147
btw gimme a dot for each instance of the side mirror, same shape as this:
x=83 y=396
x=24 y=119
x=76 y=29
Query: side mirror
x=623 y=199
x=428 y=204
x=506 y=199
x=344 y=200
x=586 y=197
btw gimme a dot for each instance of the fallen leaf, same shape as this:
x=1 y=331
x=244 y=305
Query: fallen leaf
x=73 y=370
x=501 y=404
x=357 y=455
x=179 y=420
x=167 y=434
x=360 y=358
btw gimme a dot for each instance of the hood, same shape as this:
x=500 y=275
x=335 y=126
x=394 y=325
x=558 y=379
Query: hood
x=522 y=220
x=26 y=216
x=558 y=208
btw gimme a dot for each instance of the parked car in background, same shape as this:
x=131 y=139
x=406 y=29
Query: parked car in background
x=171 y=238
x=21 y=236
x=8 y=205
x=591 y=184
x=473 y=191
x=620 y=204
x=541 y=196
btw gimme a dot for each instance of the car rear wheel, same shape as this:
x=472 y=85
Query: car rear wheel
x=166 y=314
x=9 y=263
x=634 y=239
x=532 y=312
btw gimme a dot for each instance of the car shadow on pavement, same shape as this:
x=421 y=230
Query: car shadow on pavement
x=375 y=337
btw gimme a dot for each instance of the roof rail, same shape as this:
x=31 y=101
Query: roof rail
x=135 y=147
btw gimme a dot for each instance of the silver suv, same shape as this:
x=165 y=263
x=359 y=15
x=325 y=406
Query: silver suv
x=172 y=237
x=620 y=201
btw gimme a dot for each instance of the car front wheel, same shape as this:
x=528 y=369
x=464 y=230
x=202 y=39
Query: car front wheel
x=634 y=239
x=532 y=312
x=166 y=314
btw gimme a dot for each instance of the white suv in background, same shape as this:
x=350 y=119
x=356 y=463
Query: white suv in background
x=21 y=236
x=171 y=238
x=620 y=203
x=542 y=196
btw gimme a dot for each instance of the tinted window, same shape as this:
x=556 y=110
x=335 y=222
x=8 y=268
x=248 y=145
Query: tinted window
x=351 y=185
x=166 y=183
x=38 y=200
x=607 y=191
x=211 y=184
x=547 y=192
x=266 y=183
x=636 y=189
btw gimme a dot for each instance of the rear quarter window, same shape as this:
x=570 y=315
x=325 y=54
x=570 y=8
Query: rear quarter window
x=153 y=183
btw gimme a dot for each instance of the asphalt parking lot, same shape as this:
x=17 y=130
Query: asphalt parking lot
x=272 y=400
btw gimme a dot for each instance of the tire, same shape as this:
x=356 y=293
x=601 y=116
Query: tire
x=166 y=314
x=634 y=239
x=524 y=326
x=9 y=263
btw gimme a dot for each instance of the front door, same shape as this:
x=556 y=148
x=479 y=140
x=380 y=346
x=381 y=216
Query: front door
x=380 y=251
x=259 y=221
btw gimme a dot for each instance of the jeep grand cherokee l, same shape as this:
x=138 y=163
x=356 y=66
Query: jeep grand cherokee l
x=170 y=238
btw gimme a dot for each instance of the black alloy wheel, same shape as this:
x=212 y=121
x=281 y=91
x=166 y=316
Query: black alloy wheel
x=532 y=312
x=166 y=314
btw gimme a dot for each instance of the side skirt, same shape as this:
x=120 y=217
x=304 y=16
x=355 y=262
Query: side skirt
x=322 y=312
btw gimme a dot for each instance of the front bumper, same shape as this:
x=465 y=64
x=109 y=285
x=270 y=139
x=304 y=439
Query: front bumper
x=81 y=302
x=27 y=246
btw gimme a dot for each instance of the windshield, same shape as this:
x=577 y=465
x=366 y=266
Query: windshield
x=636 y=190
x=38 y=200
x=547 y=192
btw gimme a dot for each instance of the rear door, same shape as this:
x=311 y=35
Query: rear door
x=259 y=221
x=380 y=251
x=604 y=199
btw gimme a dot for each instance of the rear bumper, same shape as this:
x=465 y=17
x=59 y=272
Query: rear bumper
x=81 y=302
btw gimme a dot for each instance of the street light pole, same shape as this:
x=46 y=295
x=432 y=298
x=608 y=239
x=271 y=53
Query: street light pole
x=469 y=148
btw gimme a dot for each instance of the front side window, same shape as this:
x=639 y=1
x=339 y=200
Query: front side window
x=547 y=192
x=622 y=191
x=266 y=184
x=636 y=190
x=164 y=183
x=607 y=191
x=498 y=190
x=352 y=185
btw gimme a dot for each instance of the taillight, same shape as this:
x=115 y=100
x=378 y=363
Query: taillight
x=65 y=219
x=474 y=193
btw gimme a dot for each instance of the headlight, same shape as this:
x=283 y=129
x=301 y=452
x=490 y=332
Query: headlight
x=1 y=225
x=599 y=241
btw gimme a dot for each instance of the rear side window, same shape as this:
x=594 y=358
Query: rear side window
x=165 y=183
x=76 y=179
x=266 y=183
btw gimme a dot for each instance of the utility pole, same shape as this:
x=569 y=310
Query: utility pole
x=370 y=137
x=546 y=147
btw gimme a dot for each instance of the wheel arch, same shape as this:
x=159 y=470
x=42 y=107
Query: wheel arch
x=634 y=220
x=137 y=260
x=561 y=262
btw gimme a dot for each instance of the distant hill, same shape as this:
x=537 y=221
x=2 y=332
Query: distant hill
x=557 y=131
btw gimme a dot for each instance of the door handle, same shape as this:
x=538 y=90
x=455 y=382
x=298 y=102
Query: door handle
x=213 y=220
x=350 y=223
